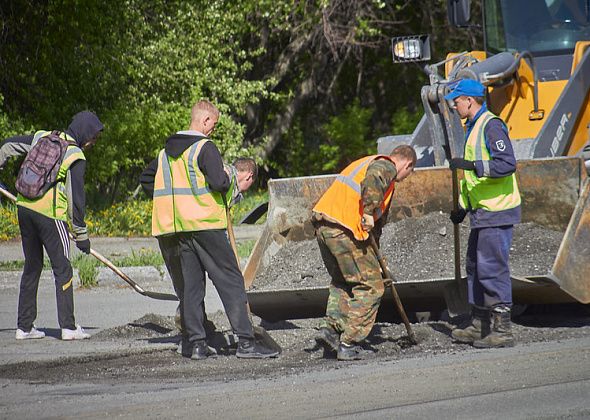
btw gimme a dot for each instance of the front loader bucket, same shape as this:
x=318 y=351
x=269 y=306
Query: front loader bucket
x=555 y=194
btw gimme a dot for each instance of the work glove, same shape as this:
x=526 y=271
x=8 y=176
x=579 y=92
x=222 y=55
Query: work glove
x=84 y=246
x=457 y=216
x=460 y=163
x=367 y=222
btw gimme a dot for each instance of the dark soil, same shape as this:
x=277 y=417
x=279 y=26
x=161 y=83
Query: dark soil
x=415 y=249
x=300 y=351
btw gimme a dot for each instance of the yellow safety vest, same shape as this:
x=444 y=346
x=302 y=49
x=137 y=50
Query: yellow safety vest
x=54 y=203
x=342 y=202
x=491 y=194
x=183 y=201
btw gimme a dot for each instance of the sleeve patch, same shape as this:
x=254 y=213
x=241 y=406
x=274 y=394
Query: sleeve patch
x=500 y=145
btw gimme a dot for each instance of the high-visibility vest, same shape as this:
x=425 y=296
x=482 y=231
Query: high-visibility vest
x=491 y=194
x=54 y=203
x=183 y=201
x=342 y=202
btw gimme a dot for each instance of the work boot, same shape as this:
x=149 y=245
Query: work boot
x=478 y=328
x=202 y=351
x=184 y=347
x=353 y=352
x=328 y=338
x=248 y=348
x=33 y=334
x=501 y=335
x=77 y=334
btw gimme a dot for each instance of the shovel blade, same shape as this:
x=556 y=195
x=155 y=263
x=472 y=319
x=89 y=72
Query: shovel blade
x=263 y=337
x=455 y=295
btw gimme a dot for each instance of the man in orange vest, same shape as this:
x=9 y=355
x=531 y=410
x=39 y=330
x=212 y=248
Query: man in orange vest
x=354 y=206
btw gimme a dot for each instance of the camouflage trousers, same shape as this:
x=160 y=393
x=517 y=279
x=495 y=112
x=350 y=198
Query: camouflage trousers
x=357 y=286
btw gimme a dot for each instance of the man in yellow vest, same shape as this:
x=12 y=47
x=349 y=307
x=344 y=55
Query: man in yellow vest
x=190 y=185
x=489 y=194
x=43 y=224
x=356 y=205
x=243 y=173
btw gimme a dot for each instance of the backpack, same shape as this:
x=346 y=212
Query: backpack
x=38 y=172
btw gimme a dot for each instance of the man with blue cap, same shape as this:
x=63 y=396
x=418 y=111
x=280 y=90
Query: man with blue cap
x=489 y=194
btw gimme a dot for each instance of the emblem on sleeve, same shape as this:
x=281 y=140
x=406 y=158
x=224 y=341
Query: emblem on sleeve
x=500 y=145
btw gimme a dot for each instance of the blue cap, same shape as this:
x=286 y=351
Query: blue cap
x=467 y=87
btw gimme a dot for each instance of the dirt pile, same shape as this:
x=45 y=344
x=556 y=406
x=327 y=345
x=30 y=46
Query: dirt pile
x=414 y=249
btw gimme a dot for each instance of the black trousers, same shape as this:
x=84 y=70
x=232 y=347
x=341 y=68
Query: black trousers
x=38 y=232
x=209 y=251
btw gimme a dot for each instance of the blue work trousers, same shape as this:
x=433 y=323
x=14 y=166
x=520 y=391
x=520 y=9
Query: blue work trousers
x=488 y=273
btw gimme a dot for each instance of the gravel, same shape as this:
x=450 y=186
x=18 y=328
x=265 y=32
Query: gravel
x=415 y=249
x=300 y=351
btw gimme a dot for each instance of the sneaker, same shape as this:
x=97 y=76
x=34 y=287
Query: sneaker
x=328 y=338
x=202 y=351
x=34 y=333
x=353 y=352
x=77 y=334
x=250 y=349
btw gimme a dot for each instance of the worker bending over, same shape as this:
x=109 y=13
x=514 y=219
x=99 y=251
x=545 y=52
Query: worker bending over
x=356 y=205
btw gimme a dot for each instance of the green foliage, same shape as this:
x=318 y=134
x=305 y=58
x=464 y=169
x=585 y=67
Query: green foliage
x=8 y=222
x=245 y=248
x=251 y=200
x=129 y=218
x=404 y=121
x=87 y=269
x=342 y=139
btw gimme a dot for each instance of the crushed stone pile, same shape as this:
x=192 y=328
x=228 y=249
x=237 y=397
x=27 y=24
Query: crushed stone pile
x=415 y=249
x=148 y=326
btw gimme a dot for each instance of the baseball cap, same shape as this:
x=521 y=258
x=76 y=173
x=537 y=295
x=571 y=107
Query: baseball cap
x=466 y=87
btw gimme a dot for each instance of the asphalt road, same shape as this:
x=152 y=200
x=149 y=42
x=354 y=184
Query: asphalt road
x=541 y=381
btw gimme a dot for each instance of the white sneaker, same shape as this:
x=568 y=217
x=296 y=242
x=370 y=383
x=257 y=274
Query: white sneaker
x=77 y=334
x=34 y=333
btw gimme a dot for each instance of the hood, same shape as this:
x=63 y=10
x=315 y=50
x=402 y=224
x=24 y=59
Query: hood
x=177 y=143
x=85 y=125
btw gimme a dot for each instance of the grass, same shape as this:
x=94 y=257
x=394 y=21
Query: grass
x=87 y=265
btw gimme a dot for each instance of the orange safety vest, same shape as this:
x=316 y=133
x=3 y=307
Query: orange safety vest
x=342 y=202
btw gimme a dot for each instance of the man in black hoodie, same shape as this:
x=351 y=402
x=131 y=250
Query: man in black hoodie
x=189 y=187
x=43 y=224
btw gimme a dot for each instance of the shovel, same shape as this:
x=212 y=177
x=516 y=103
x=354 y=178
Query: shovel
x=260 y=334
x=389 y=279
x=115 y=269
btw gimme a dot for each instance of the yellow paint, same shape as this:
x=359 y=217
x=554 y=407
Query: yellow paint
x=67 y=285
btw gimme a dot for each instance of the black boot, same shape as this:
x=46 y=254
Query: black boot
x=501 y=335
x=248 y=348
x=202 y=351
x=478 y=328
x=328 y=338
x=353 y=352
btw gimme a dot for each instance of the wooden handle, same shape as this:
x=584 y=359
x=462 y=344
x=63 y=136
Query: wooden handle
x=396 y=299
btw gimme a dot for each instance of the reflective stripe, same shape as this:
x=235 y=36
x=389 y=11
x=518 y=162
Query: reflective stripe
x=349 y=179
x=67 y=285
x=166 y=173
x=486 y=167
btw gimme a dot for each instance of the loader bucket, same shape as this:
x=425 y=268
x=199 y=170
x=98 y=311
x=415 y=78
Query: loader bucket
x=555 y=194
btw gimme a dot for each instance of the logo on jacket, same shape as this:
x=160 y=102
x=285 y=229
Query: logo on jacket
x=500 y=145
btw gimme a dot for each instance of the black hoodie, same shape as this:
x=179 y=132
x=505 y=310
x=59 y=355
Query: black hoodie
x=85 y=125
x=209 y=161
